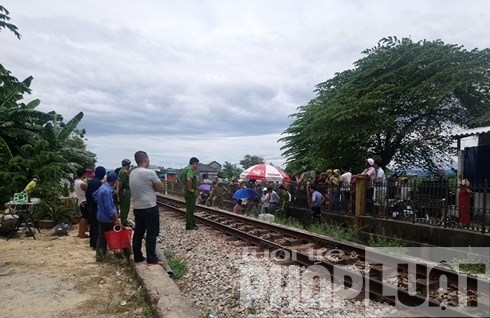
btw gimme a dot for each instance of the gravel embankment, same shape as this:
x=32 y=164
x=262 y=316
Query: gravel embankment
x=224 y=280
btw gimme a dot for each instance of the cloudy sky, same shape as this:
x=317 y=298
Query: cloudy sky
x=211 y=79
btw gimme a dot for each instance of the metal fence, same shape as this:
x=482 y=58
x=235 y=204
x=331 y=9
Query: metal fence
x=433 y=202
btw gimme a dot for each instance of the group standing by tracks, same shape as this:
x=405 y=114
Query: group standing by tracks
x=333 y=191
x=104 y=201
x=388 y=195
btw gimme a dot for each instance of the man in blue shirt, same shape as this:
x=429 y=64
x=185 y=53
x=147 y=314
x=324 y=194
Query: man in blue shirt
x=107 y=214
x=317 y=199
x=93 y=184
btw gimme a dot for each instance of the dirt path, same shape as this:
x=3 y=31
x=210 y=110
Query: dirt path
x=58 y=277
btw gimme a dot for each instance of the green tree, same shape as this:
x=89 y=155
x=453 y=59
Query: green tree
x=19 y=123
x=398 y=104
x=4 y=22
x=249 y=161
x=230 y=170
x=33 y=142
x=77 y=142
x=34 y=159
x=59 y=136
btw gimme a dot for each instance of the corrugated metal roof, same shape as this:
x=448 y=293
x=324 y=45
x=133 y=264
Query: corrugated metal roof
x=471 y=132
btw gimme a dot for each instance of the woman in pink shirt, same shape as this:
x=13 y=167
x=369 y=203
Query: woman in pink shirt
x=238 y=207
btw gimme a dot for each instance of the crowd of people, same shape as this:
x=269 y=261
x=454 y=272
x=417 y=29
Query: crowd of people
x=329 y=188
x=267 y=197
x=385 y=197
x=104 y=199
x=334 y=191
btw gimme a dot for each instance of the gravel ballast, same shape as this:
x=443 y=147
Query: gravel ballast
x=225 y=279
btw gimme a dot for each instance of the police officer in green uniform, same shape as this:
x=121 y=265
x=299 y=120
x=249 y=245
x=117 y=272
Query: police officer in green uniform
x=217 y=194
x=123 y=191
x=285 y=201
x=189 y=184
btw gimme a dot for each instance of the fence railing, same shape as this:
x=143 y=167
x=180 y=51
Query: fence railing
x=433 y=202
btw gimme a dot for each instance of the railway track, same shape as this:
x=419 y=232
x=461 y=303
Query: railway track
x=365 y=273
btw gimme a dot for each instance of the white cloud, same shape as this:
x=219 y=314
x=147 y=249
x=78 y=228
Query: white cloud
x=214 y=79
x=175 y=152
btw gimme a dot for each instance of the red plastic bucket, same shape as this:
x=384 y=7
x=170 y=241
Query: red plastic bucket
x=118 y=238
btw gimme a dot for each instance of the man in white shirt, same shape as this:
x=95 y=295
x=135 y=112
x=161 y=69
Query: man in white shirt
x=274 y=200
x=345 y=179
x=380 y=188
x=80 y=187
x=143 y=183
x=371 y=173
x=264 y=200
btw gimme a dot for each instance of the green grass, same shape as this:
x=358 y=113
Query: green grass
x=140 y=294
x=334 y=231
x=135 y=301
x=383 y=241
x=472 y=264
x=289 y=222
x=178 y=266
x=253 y=310
x=390 y=245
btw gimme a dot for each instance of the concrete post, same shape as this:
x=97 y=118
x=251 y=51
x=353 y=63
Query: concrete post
x=361 y=189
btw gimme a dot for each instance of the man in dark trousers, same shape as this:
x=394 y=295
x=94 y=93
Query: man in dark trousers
x=107 y=214
x=92 y=186
x=122 y=189
x=317 y=199
x=189 y=185
x=143 y=183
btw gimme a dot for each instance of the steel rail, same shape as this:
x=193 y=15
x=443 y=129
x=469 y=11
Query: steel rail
x=453 y=277
x=375 y=287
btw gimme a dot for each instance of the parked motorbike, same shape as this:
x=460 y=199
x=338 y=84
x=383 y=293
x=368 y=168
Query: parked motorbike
x=452 y=216
x=403 y=210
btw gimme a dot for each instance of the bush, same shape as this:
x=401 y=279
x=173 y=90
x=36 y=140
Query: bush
x=51 y=206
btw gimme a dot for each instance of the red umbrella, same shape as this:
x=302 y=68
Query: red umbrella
x=265 y=172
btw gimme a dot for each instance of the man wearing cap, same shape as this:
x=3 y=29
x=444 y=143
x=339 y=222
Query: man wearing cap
x=189 y=185
x=106 y=213
x=285 y=201
x=264 y=200
x=217 y=194
x=234 y=184
x=370 y=171
x=122 y=190
x=92 y=186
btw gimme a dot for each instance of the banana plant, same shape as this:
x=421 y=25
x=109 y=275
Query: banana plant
x=19 y=123
x=57 y=133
